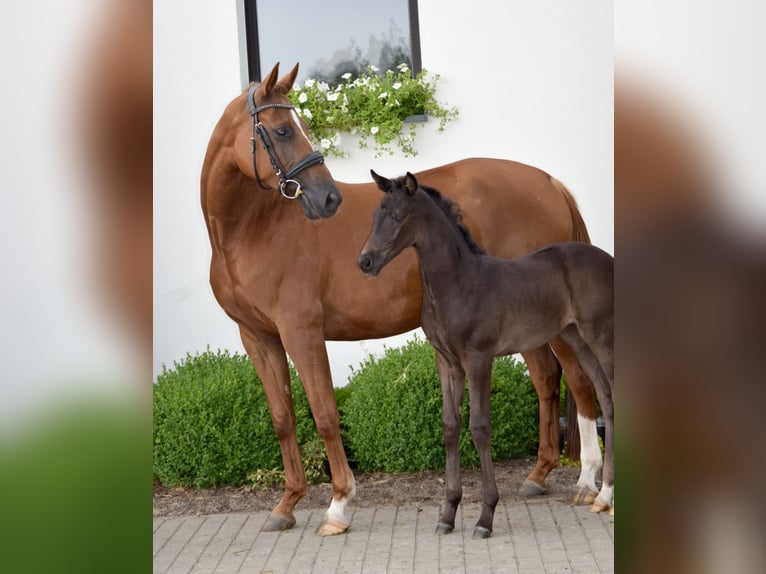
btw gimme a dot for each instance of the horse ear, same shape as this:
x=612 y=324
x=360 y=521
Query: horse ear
x=268 y=82
x=410 y=183
x=383 y=183
x=287 y=82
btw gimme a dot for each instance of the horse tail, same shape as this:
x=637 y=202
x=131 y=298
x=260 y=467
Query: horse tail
x=579 y=231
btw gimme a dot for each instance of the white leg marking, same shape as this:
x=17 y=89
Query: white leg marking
x=337 y=510
x=606 y=496
x=590 y=453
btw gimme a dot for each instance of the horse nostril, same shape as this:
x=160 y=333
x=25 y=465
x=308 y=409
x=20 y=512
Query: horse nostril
x=365 y=263
x=333 y=200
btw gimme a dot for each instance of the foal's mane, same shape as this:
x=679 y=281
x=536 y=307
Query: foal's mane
x=455 y=216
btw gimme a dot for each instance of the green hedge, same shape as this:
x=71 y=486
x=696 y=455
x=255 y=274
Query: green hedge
x=212 y=423
x=392 y=417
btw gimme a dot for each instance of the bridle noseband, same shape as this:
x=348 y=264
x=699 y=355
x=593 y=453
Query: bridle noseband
x=285 y=176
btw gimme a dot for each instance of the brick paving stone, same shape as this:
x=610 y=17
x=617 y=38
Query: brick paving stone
x=532 y=537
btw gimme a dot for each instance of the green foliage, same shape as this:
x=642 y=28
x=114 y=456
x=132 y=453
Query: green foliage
x=392 y=418
x=393 y=415
x=212 y=424
x=372 y=106
x=514 y=411
x=313 y=457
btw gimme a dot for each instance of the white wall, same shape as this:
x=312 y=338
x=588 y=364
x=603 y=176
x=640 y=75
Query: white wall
x=532 y=81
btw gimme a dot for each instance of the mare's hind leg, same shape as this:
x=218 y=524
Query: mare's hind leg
x=453 y=388
x=479 y=371
x=268 y=357
x=602 y=377
x=545 y=372
x=581 y=388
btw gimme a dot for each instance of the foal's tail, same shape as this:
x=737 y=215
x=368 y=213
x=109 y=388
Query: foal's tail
x=579 y=231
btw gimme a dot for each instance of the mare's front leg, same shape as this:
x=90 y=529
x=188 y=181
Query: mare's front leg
x=453 y=387
x=545 y=372
x=479 y=371
x=305 y=344
x=270 y=362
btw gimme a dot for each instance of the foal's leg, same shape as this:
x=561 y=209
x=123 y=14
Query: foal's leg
x=603 y=385
x=453 y=388
x=479 y=371
x=545 y=372
x=268 y=357
x=306 y=346
x=600 y=340
x=581 y=388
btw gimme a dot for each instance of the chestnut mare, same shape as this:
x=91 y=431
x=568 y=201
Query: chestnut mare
x=290 y=281
x=477 y=307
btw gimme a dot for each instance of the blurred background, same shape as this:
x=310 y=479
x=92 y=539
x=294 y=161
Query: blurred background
x=75 y=401
x=690 y=278
x=75 y=443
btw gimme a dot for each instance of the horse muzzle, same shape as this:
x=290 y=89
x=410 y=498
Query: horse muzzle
x=319 y=205
x=369 y=264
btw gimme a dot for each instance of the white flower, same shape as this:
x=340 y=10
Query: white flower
x=306 y=113
x=336 y=140
x=332 y=96
x=382 y=95
x=303 y=97
x=397 y=85
x=374 y=68
x=374 y=130
x=403 y=67
x=346 y=76
x=310 y=83
x=325 y=143
x=323 y=87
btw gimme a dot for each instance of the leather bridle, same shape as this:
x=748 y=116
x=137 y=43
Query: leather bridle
x=286 y=176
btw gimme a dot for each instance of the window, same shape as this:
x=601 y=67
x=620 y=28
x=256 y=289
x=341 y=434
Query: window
x=330 y=37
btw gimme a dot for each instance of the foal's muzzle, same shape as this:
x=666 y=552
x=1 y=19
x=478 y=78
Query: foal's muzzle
x=367 y=264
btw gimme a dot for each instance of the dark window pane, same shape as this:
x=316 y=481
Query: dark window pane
x=332 y=37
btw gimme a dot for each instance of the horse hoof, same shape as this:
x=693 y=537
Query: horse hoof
x=599 y=507
x=584 y=497
x=278 y=523
x=442 y=528
x=530 y=488
x=331 y=527
x=481 y=532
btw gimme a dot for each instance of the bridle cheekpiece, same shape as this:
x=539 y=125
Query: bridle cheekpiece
x=286 y=176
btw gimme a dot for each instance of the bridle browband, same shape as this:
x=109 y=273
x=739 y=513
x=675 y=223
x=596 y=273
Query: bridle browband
x=285 y=176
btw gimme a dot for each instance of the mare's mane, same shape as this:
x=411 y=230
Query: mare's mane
x=455 y=216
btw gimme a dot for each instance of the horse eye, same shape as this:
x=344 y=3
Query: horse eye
x=281 y=132
x=397 y=217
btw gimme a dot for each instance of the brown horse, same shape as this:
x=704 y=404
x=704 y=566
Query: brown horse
x=477 y=307
x=290 y=281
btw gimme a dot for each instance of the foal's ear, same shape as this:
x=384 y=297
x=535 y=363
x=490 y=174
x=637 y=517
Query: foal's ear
x=383 y=183
x=410 y=183
x=268 y=82
x=287 y=82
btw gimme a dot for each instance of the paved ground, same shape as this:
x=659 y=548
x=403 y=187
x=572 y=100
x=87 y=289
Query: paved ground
x=529 y=538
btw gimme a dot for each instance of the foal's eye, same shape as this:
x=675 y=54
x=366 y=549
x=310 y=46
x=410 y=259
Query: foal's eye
x=397 y=216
